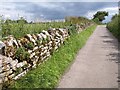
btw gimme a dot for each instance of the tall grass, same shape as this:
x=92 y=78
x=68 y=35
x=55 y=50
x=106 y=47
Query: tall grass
x=20 y=29
x=48 y=74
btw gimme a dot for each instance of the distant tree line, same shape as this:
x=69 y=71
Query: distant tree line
x=21 y=20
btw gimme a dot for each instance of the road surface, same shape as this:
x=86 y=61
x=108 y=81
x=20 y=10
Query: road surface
x=96 y=65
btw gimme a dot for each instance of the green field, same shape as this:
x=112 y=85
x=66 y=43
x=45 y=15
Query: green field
x=18 y=30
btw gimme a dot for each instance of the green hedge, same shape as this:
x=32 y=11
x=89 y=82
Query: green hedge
x=114 y=26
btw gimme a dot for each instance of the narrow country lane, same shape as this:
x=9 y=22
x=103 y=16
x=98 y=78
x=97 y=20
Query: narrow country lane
x=96 y=65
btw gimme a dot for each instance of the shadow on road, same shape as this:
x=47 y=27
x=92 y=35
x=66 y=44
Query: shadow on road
x=113 y=56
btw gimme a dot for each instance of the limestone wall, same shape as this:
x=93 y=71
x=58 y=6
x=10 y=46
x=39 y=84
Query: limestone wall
x=38 y=47
x=17 y=57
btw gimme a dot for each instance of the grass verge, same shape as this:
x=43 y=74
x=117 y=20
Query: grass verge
x=48 y=74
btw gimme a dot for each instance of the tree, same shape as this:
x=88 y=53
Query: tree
x=22 y=20
x=100 y=15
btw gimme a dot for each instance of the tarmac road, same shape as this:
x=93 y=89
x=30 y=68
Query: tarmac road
x=96 y=65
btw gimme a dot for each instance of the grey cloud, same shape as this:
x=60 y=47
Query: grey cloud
x=63 y=9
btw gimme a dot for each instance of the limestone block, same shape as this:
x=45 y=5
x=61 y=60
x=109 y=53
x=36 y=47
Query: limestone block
x=8 y=72
x=1 y=70
x=21 y=64
x=7 y=60
x=30 y=38
x=0 y=61
x=2 y=75
x=29 y=65
x=13 y=64
x=32 y=54
x=30 y=51
x=50 y=48
x=50 y=42
x=54 y=29
x=34 y=66
x=9 y=51
x=58 y=35
x=5 y=68
x=51 y=37
x=61 y=30
x=11 y=76
x=10 y=43
x=44 y=57
x=20 y=75
x=56 y=47
x=24 y=41
x=57 y=38
x=45 y=32
x=34 y=62
x=45 y=51
x=45 y=48
x=41 y=54
x=15 y=43
x=59 y=44
x=19 y=43
x=34 y=37
x=2 y=46
x=43 y=35
x=48 y=54
x=35 y=48
x=41 y=46
x=39 y=37
x=5 y=79
x=36 y=57
x=1 y=80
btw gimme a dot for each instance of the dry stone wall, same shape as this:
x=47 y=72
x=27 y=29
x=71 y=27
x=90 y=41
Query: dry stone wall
x=17 y=57
x=43 y=45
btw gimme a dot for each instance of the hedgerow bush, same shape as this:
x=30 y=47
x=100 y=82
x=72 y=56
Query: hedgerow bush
x=114 y=26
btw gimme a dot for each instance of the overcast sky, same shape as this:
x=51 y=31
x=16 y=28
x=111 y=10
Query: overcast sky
x=44 y=9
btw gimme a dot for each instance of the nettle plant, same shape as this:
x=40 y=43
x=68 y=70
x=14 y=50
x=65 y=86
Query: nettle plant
x=21 y=54
x=29 y=45
x=7 y=27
